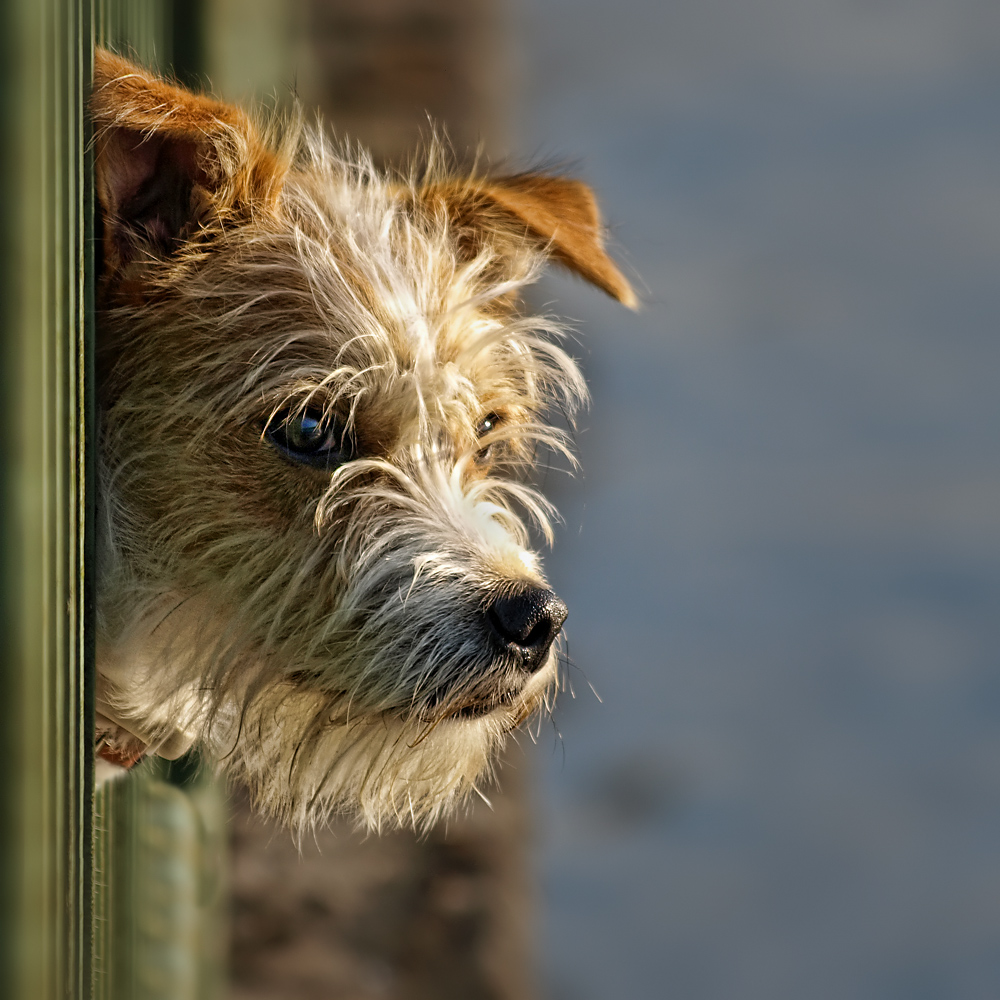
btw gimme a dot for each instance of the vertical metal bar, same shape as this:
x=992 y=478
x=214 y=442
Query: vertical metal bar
x=86 y=456
x=46 y=795
x=48 y=850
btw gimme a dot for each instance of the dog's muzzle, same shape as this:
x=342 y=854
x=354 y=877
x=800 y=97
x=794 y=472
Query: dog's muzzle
x=524 y=625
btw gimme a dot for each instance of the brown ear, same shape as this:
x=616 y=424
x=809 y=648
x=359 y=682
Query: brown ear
x=559 y=212
x=169 y=162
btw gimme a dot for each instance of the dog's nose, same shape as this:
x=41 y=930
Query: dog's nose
x=526 y=623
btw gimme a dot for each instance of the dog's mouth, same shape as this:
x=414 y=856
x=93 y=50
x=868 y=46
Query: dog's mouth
x=501 y=687
x=505 y=687
x=446 y=704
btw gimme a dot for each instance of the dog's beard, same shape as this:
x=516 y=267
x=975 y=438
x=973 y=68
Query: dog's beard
x=357 y=677
x=307 y=751
x=305 y=755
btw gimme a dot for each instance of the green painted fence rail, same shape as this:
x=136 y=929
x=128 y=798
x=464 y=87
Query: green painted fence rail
x=46 y=818
x=118 y=896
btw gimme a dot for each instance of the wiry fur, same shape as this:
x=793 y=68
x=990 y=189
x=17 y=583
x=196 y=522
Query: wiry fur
x=320 y=633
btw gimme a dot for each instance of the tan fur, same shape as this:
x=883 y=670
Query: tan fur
x=322 y=631
x=560 y=212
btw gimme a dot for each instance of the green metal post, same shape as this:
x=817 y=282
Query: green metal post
x=156 y=852
x=46 y=726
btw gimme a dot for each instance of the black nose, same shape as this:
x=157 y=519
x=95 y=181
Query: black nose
x=526 y=623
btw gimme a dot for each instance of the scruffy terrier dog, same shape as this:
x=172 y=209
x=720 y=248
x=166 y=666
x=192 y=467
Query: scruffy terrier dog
x=319 y=395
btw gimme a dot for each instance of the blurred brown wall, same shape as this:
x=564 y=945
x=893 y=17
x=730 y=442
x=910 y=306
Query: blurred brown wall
x=377 y=70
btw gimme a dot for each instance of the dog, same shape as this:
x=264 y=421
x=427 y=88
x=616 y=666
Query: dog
x=320 y=398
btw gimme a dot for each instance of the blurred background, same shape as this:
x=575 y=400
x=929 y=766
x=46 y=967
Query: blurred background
x=782 y=558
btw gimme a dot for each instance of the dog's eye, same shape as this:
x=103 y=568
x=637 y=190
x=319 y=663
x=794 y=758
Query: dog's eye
x=311 y=437
x=489 y=423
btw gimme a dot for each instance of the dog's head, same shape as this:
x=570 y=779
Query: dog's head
x=319 y=397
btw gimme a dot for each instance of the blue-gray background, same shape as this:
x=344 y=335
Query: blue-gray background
x=783 y=557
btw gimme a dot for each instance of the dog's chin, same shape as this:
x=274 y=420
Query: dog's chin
x=306 y=756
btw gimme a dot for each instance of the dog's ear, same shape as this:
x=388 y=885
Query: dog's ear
x=559 y=213
x=168 y=162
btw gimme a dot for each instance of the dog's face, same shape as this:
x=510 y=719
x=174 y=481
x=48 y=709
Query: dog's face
x=319 y=399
